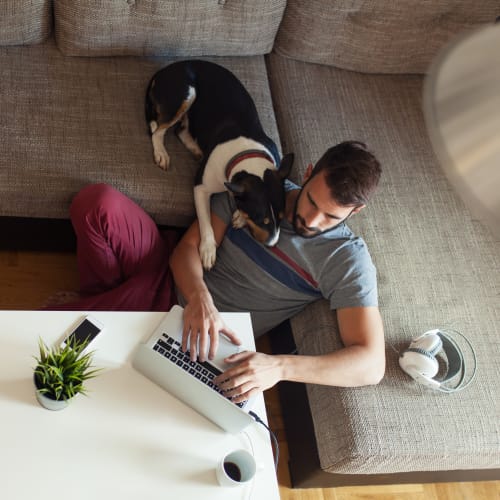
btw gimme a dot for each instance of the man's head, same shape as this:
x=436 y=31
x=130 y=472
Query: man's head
x=339 y=185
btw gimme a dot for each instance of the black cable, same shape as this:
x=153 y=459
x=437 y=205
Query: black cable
x=273 y=437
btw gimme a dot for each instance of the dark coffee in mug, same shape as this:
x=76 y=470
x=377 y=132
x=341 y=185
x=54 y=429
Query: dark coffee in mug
x=233 y=471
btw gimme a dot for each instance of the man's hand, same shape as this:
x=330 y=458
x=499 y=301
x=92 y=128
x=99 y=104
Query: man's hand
x=202 y=325
x=360 y=362
x=202 y=321
x=253 y=372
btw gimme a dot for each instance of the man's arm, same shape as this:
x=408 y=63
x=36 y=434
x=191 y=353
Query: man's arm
x=201 y=318
x=360 y=362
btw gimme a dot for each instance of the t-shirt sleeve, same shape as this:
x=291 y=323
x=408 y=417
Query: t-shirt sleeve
x=221 y=205
x=350 y=278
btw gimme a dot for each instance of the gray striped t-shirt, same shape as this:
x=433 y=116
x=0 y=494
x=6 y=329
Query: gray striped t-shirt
x=274 y=284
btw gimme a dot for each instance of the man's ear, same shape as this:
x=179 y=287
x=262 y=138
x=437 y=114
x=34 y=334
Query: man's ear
x=307 y=173
x=358 y=209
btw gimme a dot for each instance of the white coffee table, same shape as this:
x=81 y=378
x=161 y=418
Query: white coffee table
x=128 y=439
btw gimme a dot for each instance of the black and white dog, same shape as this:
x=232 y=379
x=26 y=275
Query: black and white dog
x=216 y=119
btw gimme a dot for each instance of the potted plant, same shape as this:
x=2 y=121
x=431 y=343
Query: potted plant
x=61 y=372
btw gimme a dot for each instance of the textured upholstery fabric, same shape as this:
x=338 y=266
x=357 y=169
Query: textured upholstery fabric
x=68 y=121
x=167 y=27
x=23 y=22
x=437 y=267
x=382 y=36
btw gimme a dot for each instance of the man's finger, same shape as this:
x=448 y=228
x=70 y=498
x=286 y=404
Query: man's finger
x=193 y=343
x=231 y=335
x=203 y=338
x=238 y=357
x=245 y=396
x=214 y=343
x=229 y=375
x=185 y=335
x=240 y=387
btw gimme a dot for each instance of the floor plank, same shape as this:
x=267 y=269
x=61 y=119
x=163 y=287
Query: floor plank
x=28 y=279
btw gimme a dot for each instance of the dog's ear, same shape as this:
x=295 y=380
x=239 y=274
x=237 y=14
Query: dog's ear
x=236 y=189
x=286 y=165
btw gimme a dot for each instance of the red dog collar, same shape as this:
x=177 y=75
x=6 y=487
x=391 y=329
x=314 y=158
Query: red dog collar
x=244 y=155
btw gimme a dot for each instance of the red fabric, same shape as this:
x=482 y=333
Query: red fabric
x=122 y=257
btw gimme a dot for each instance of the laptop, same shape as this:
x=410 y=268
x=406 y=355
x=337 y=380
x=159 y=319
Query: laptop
x=161 y=360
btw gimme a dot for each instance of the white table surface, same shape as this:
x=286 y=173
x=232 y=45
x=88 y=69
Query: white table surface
x=128 y=439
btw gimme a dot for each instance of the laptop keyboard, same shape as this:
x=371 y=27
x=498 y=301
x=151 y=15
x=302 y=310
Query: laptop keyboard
x=203 y=371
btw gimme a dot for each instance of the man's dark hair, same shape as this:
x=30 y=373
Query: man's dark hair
x=351 y=172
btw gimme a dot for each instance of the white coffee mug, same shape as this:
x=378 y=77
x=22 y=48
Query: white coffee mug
x=236 y=468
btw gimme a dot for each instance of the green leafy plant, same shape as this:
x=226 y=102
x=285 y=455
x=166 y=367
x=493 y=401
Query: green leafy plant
x=61 y=371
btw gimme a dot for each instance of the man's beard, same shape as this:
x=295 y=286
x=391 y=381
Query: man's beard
x=299 y=225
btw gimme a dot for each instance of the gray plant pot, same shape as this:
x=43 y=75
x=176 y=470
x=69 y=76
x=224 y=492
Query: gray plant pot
x=48 y=402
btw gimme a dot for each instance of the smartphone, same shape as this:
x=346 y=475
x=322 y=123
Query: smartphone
x=86 y=329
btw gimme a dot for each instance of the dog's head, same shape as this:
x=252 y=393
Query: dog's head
x=261 y=202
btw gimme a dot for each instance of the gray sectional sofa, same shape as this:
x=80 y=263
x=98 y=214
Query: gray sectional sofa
x=73 y=77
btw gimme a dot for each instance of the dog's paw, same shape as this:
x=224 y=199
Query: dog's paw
x=162 y=159
x=208 y=251
x=238 y=220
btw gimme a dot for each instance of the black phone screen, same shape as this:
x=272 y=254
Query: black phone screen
x=84 y=331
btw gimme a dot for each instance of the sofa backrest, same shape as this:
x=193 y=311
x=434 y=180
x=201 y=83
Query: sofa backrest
x=167 y=27
x=25 y=22
x=377 y=36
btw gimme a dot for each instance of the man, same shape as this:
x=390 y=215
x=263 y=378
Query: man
x=122 y=259
x=316 y=256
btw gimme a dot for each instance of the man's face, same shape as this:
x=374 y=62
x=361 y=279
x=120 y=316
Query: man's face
x=316 y=211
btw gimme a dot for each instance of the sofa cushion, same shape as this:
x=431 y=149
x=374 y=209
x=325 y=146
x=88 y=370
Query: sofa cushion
x=67 y=122
x=437 y=267
x=23 y=22
x=376 y=37
x=167 y=27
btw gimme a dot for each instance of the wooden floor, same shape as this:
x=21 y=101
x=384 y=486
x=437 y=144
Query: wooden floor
x=27 y=279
